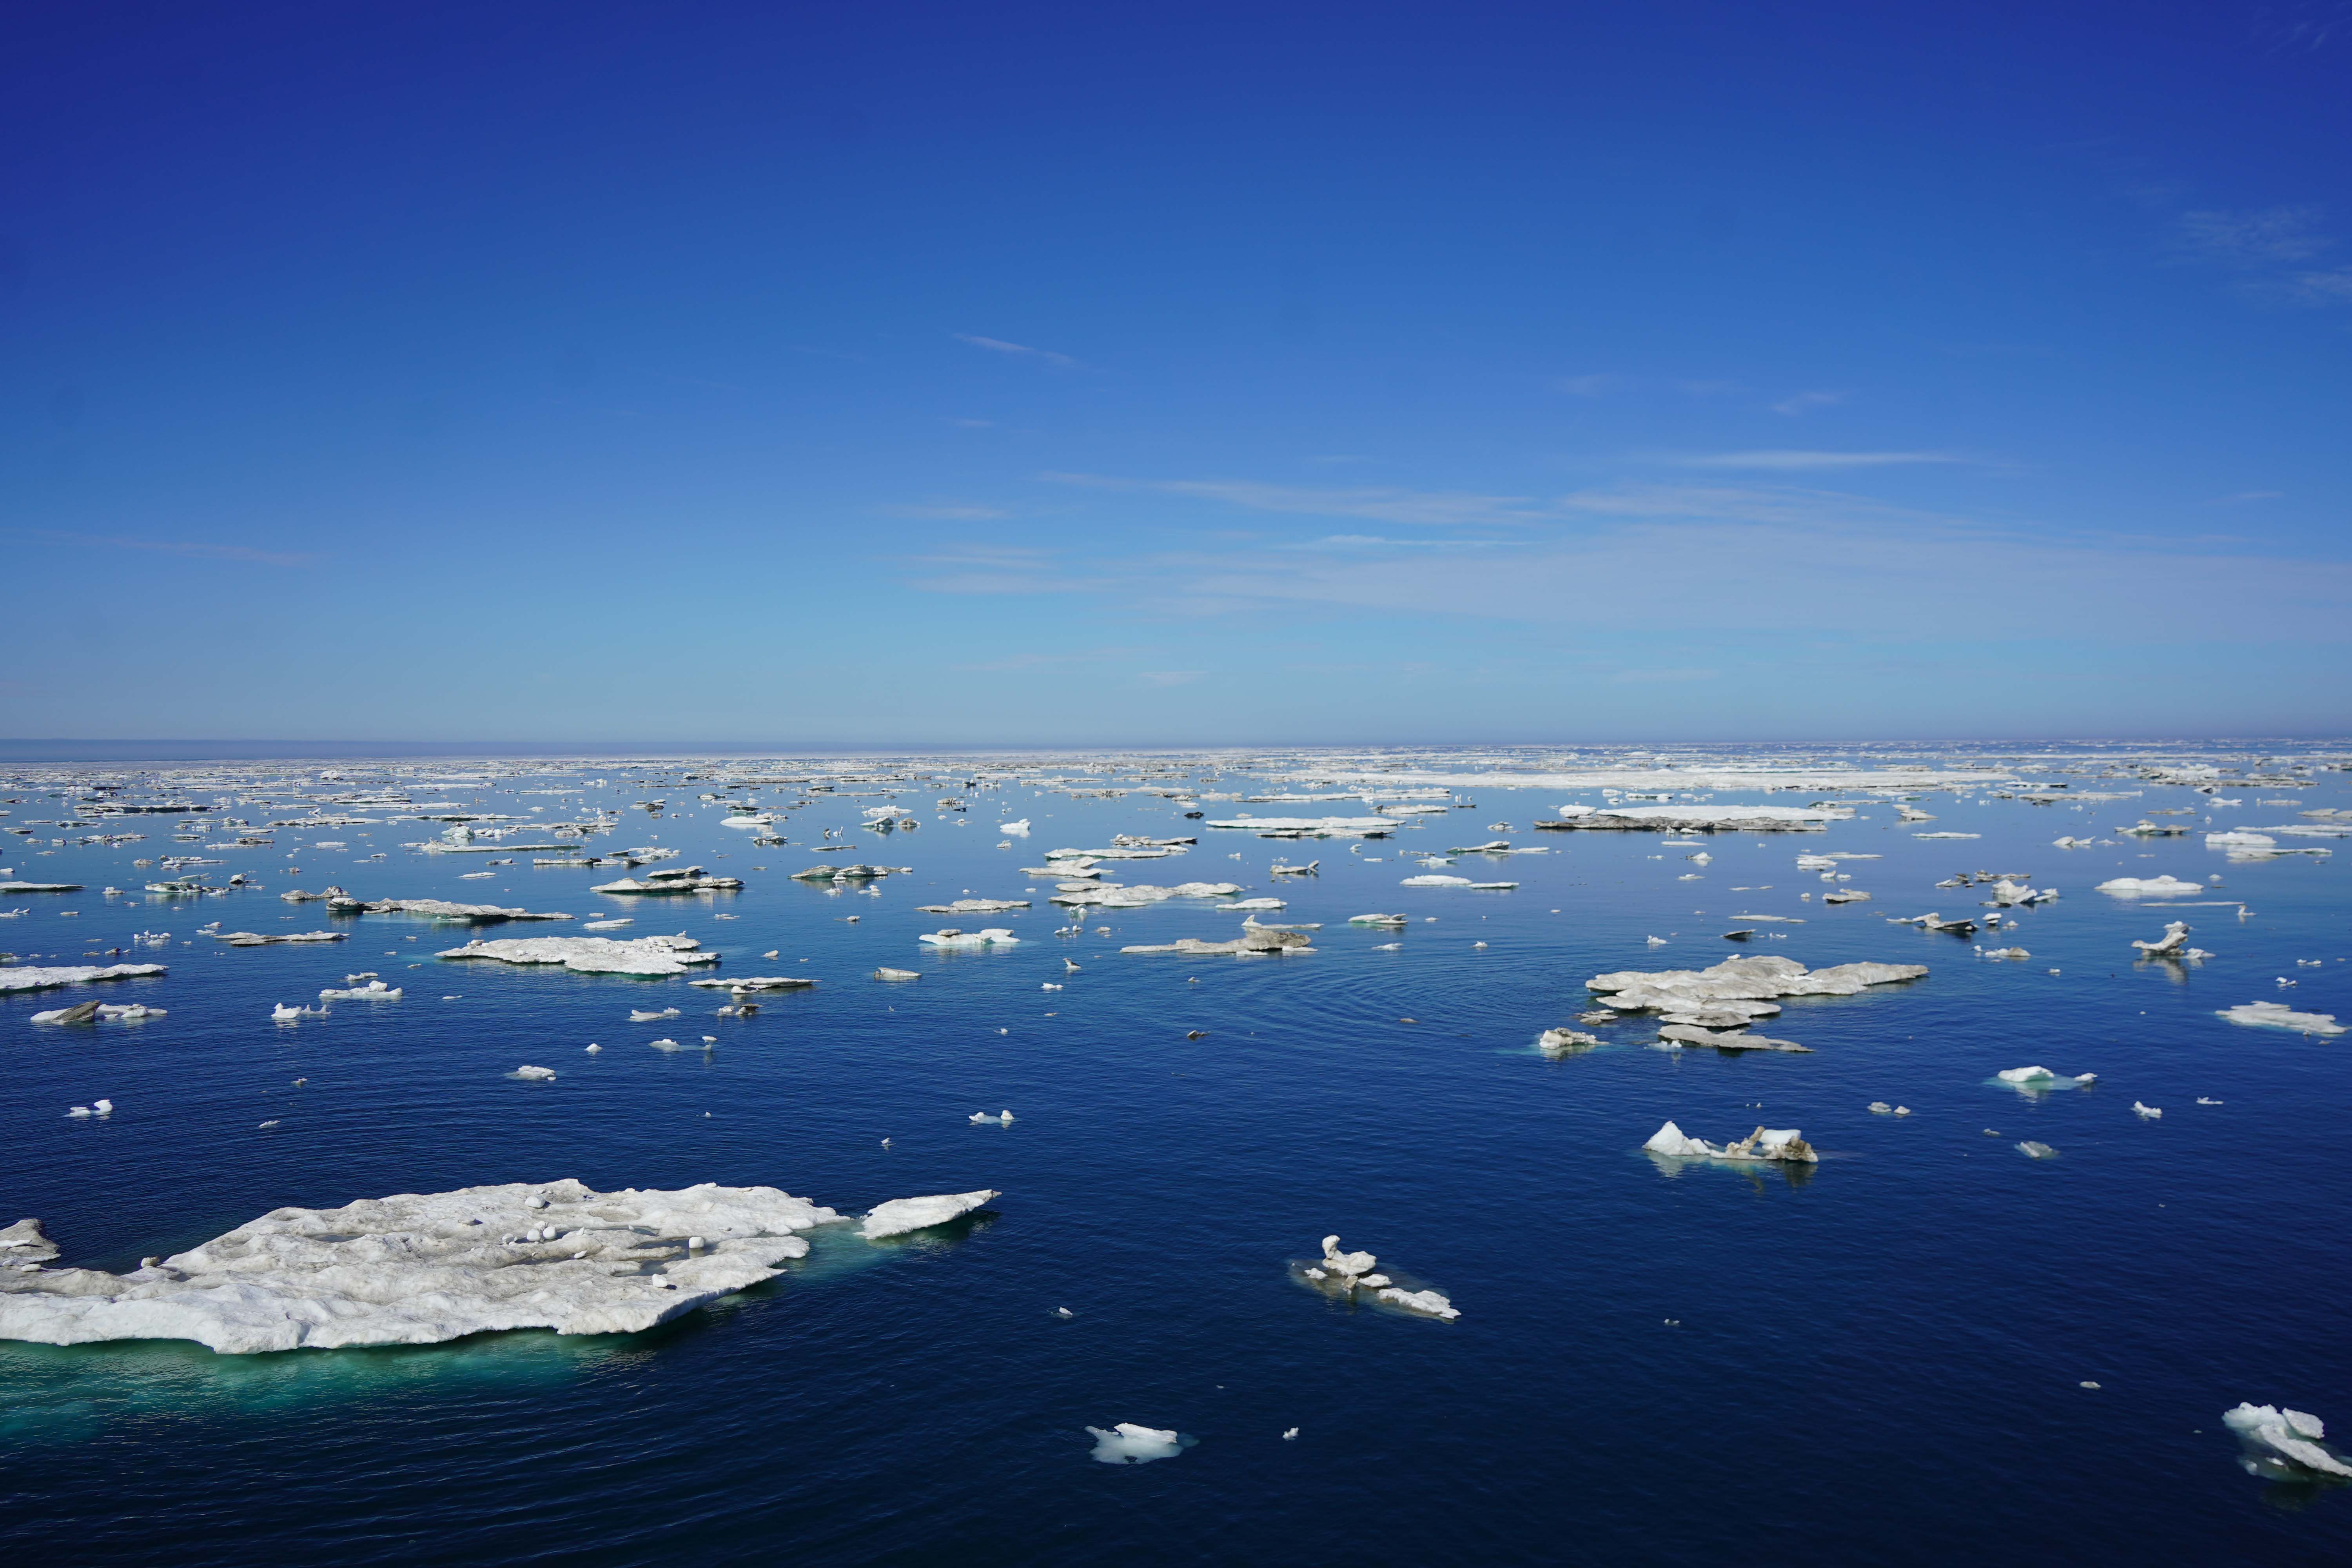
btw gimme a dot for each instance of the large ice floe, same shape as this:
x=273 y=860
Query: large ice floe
x=654 y=956
x=1738 y=991
x=437 y=909
x=1783 y=1143
x=1349 y=1274
x=1118 y=897
x=1314 y=827
x=994 y=936
x=900 y=1216
x=1128 y=1443
x=2264 y=1015
x=1257 y=940
x=1692 y=819
x=2164 y=886
x=2042 y=1080
x=419 y=1268
x=34 y=977
x=2284 y=1445
x=675 y=879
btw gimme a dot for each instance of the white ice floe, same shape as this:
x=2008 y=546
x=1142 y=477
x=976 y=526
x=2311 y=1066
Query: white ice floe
x=1255 y=940
x=1739 y=990
x=654 y=956
x=1725 y=1040
x=756 y=983
x=2033 y=1149
x=1378 y=919
x=678 y=880
x=536 y=1075
x=437 y=910
x=1116 y=896
x=1783 y=1143
x=2284 y=1445
x=1559 y=1042
x=650 y=1016
x=1429 y=1303
x=1128 y=1443
x=2173 y=943
x=1001 y=1119
x=902 y=1215
x=1439 y=881
x=33 y=978
x=1315 y=827
x=2146 y=1112
x=894 y=974
x=422 y=1268
x=608 y=925
x=1694 y=818
x=973 y=907
x=994 y=936
x=2265 y=1014
x=99 y=1013
x=2040 y=1080
x=1019 y=829
x=2164 y=886
x=26 y=1242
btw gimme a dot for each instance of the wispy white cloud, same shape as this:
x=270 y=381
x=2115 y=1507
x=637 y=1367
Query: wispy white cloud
x=944 y=513
x=997 y=346
x=1379 y=541
x=973 y=424
x=1585 y=385
x=1170 y=677
x=196 y=548
x=1624 y=675
x=2254 y=239
x=1806 y=401
x=1379 y=504
x=2250 y=495
x=1777 y=460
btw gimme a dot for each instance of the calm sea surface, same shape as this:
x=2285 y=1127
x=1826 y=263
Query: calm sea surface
x=1878 y=1359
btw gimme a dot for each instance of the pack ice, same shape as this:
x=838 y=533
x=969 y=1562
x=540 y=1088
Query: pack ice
x=420 y=1268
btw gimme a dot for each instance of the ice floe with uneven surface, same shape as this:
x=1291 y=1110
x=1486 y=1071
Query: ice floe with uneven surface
x=420 y=1268
x=1113 y=896
x=2284 y=1445
x=900 y=1216
x=1783 y=1143
x=649 y=955
x=2264 y=1015
x=1692 y=819
x=994 y=936
x=2041 y=1079
x=1254 y=940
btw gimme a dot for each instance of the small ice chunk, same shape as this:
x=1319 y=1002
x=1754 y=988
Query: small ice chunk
x=536 y=1075
x=2034 y=1150
x=1424 y=1301
x=1669 y=1141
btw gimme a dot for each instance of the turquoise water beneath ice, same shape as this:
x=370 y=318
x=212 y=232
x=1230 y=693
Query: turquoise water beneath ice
x=1874 y=1360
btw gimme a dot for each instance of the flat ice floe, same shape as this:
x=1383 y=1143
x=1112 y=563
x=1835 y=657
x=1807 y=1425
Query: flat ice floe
x=2264 y=1015
x=682 y=879
x=420 y=1268
x=994 y=936
x=1256 y=940
x=33 y=978
x=437 y=910
x=1315 y=827
x=2149 y=887
x=1128 y=1443
x=654 y=956
x=1115 y=897
x=1692 y=819
x=900 y=1216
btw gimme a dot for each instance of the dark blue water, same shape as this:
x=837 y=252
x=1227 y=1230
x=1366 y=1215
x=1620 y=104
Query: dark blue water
x=1875 y=1360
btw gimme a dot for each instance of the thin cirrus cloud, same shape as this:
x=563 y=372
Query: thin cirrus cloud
x=998 y=346
x=2265 y=248
x=1374 y=503
x=1170 y=677
x=1785 y=462
x=944 y=513
x=179 y=547
x=1800 y=402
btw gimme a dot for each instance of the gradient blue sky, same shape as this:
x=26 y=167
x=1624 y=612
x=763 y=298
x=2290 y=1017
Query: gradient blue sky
x=1056 y=373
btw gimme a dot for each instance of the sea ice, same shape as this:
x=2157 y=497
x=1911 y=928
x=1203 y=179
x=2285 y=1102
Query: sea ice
x=994 y=936
x=33 y=978
x=2267 y=1014
x=2164 y=886
x=1128 y=1443
x=421 y=1269
x=2284 y=1445
x=655 y=955
x=900 y=1216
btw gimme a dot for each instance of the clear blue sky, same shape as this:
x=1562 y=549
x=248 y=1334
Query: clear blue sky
x=1061 y=373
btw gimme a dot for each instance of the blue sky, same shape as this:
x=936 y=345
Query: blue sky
x=1056 y=375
